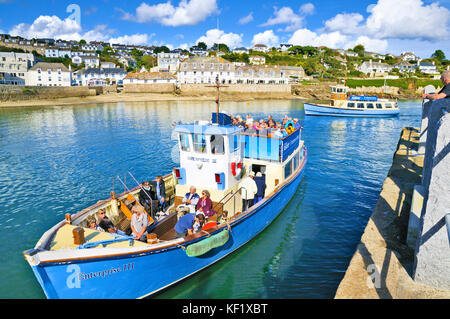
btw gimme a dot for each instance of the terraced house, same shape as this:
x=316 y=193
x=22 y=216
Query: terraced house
x=14 y=67
x=49 y=74
x=199 y=70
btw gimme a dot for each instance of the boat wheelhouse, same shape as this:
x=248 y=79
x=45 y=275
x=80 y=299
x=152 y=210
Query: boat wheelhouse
x=73 y=261
x=355 y=105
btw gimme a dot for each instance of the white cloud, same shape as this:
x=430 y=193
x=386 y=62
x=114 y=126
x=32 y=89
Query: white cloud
x=212 y=36
x=248 y=18
x=285 y=15
x=188 y=12
x=408 y=19
x=308 y=37
x=48 y=27
x=307 y=8
x=370 y=44
x=267 y=37
x=347 y=23
x=136 y=39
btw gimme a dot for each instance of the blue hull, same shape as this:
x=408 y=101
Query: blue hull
x=320 y=110
x=141 y=275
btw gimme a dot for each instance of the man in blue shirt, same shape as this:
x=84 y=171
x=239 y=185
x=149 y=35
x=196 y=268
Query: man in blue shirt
x=184 y=224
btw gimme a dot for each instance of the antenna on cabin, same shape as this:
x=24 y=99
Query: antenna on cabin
x=218 y=86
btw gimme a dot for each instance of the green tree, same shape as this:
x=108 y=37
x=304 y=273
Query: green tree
x=82 y=42
x=202 y=46
x=438 y=54
x=161 y=49
x=359 y=49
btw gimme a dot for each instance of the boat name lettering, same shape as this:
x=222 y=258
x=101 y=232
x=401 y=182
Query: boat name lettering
x=80 y=276
x=198 y=159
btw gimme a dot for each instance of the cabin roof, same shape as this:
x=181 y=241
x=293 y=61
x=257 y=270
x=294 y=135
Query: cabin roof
x=206 y=129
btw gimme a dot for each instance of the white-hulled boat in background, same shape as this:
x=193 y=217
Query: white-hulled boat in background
x=353 y=106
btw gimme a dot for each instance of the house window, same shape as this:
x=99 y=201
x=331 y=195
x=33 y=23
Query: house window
x=49 y=71
x=38 y=70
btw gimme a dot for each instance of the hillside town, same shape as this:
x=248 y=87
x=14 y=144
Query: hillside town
x=49 y=62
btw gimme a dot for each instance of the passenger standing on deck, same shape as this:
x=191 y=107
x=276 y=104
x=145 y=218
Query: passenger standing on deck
x=139 y=223
x=146 y=197
x=260 y=181
x=444 y=92
x=248 y=191
x=160 y=190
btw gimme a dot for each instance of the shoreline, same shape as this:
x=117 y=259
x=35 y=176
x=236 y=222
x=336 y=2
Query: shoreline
x=152 y=97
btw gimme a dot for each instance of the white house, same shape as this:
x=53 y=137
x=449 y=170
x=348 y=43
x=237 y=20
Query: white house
x=97 y=76
x=427 y=67
x=107 y=65
x=89 y=61
x=407 y=56
x=374 y=68
x=168 y=62
x=240 y=50
x=285 y=46
x=259 y=74
x=14 y=67
x=49 y=74
x=261 y=48
x=204 y=70
x=257 y=60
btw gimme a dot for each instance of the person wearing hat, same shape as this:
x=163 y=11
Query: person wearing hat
x=248 y=191
x=139 y=222
x=260 y=181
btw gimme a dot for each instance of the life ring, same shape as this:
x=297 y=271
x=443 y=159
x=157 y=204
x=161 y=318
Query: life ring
x=289 y=127
x=236 y=168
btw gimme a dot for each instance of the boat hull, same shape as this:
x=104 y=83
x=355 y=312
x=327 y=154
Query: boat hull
x=144 y=274
x=324 y=110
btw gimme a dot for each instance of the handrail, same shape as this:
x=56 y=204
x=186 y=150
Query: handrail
x=217 y=204
x=106 y=242
x=234 y=194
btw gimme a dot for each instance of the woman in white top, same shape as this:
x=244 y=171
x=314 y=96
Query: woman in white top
x=139 y=222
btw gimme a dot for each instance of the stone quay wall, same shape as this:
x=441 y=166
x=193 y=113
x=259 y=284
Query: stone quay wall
x=21 y=93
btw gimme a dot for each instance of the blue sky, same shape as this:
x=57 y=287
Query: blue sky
x=384 y=26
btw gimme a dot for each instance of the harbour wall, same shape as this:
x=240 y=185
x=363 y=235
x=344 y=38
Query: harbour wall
x=404 y=251
x=22 y=93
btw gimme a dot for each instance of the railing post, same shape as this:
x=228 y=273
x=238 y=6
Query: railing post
x=447 y=222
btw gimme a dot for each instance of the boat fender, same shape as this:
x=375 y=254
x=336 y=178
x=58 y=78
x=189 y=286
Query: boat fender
x=236 y=169
x=205 y=245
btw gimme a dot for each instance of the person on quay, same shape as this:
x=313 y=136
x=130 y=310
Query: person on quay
x=248 y=191
x=444 y=93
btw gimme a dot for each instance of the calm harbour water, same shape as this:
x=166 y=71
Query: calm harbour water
x=56 y=160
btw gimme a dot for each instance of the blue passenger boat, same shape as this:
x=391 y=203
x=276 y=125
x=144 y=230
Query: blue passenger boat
x=354 y=106
x=72 y=260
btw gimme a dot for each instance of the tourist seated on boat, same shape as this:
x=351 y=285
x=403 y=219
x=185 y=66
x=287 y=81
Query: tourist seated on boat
x=297 y=124
x=106 y=224
x=248 y=191
x=204 y=204
x=139 y=222
x=92 y=222
x=260 y=181
x=199 y=221
x=160 y=190
x=147 y=198
x=248 y=120
x=190 y=201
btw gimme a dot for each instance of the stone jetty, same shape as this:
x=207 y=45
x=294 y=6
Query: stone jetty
x=404 y=251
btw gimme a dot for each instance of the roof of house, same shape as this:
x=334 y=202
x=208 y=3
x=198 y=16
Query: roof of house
x=51 y=66
x=103 y=71
x=151 y=76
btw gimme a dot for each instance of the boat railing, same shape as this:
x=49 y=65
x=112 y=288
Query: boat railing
x=233 y=196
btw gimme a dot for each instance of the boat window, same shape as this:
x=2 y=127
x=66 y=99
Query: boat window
x=288 y=169
x=199 y=143
x=217 y=144
x=360 y=105
x=370 y=105
x=234 y=142
x=388 y=105
x=351 y=105
x=184 y=142
x=296 y=160
x=379 y=106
